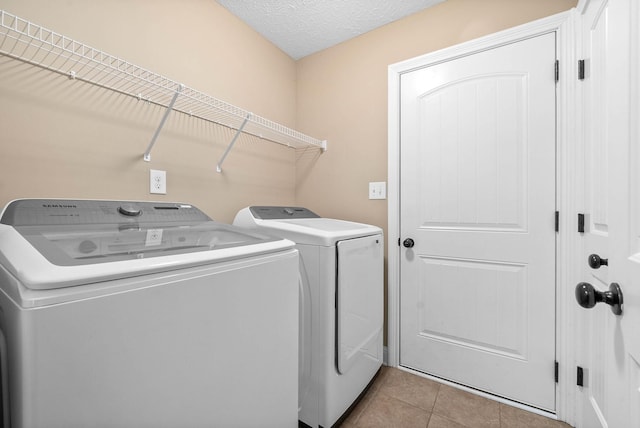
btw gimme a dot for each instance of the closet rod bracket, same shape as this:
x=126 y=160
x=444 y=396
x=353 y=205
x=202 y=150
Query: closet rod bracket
x=233 y=141
x=147 y=153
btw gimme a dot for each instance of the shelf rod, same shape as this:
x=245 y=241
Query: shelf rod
x=147 y=154
x=233 y=141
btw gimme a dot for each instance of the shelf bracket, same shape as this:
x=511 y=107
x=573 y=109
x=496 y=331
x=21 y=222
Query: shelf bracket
x=147 y=154
x=233 y=141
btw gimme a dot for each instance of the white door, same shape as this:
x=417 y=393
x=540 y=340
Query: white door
x=609 y=344
x=477 y=201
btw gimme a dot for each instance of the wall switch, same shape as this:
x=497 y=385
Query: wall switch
x=157 y=181
x=378 y=190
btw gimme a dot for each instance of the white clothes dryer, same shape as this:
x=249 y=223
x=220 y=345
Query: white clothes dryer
x=341 y=305
x=143 y=314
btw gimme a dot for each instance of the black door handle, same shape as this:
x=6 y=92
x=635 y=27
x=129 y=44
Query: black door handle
x=408 y=243
x=587 y=296
x=595 y=261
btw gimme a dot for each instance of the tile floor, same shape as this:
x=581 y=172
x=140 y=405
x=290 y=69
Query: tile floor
x=403 y=400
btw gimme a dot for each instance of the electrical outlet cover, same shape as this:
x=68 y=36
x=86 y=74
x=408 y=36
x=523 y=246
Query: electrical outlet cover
x=157 y=181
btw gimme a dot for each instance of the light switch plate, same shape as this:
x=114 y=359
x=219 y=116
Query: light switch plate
x=378 y=190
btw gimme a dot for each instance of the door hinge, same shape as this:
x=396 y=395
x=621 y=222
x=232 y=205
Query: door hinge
x=557 y=70
x=580 y=376
x=557 y=223
x=581 y=223
x=580 y=69
x=556 y=371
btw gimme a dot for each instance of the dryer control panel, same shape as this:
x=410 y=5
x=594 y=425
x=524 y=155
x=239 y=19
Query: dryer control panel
x=275 y=213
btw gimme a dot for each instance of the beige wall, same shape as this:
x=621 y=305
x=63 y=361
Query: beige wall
x=63 y=138
x=342 y=96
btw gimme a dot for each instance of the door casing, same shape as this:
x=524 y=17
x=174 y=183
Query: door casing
x=568 y=186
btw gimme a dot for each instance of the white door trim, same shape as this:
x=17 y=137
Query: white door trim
x=568 y=183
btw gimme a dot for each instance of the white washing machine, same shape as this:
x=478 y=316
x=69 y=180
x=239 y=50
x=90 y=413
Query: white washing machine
x=141 y=314
x=341 y=305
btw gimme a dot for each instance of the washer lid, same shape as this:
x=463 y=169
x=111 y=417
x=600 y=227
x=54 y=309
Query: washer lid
x=58 y=243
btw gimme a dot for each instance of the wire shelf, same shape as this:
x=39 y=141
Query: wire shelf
x=36 y=45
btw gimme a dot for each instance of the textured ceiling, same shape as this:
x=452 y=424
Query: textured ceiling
x=302 y=27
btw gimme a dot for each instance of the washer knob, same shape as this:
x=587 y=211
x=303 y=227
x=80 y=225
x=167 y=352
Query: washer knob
x=129 y=210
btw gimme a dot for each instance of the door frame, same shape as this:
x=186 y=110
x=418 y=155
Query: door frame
x=568 y=188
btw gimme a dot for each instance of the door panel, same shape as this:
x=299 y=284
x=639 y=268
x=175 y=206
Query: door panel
x=477 y=195
x=474 y=173
x=498 y=329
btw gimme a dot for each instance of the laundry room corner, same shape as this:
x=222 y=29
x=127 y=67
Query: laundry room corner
x=63 y=137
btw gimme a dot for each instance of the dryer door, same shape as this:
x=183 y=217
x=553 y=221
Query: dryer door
x=359 y=301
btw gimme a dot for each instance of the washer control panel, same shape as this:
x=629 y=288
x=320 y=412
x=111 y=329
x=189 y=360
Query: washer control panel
x=39 y=212
x=75 y=232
